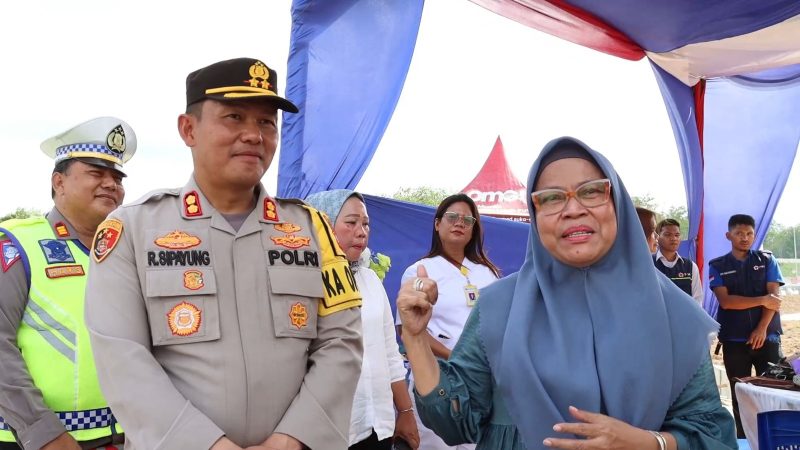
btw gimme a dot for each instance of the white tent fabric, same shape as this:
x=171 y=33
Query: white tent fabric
x=767 y=48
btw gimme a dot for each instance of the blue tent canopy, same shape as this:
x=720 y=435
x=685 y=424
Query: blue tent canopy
x=728 y=72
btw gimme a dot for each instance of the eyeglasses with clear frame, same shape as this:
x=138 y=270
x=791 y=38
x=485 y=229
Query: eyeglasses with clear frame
x=454 y=217
x=590 y=194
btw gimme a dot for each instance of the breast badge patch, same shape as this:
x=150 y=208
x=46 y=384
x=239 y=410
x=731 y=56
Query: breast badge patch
x=106 y=238
x=287 y=228
x=291 y=241
x=193 y=280
x=10 y=254
x=184 y=319
x=191 y=205
x=270 y=210
x=56 y=252
x=298 y=314
x=177 y=240
x=72 y=270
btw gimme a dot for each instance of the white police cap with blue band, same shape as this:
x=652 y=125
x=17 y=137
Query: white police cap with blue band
x=104 y=141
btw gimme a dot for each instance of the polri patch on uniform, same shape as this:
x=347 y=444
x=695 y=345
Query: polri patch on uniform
x=72 y=270
x=191 y=205
x=106 y=238
x=10 y=254
x=291 y=241
x=184 y=319
x=287 y=228
x=193 y=280
x=298 y=314
x=62 y=230
x=177 y=240
x=270 y=210
x=56 y=252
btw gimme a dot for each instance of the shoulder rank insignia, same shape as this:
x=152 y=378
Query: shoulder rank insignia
x=287 y=228
x=184 y=319
x=191 y=205
x=299 y=315
x=106 y=238
x=61 y=230
x=193 y=280
x=10 y=254
x=291 y=241
x=270 y=210
x=56 y=252
x=177 y=240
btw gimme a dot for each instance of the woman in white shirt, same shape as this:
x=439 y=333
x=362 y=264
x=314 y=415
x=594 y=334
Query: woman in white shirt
x=460 y=267
x=373 y=421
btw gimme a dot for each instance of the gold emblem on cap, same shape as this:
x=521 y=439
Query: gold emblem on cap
x=116 y=139
x=260 y=75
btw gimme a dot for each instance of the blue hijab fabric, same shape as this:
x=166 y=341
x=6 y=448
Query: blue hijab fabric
x=616 y=337
x=331 y=202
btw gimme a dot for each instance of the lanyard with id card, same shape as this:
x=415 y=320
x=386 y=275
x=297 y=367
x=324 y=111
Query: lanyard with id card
x=470 y=290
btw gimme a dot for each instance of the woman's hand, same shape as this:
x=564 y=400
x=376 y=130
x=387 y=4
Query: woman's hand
x=406 y=428
x=601 y=432
x=415 y=303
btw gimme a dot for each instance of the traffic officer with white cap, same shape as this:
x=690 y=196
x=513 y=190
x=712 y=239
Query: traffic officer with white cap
x=234 y=320
x=49 y=394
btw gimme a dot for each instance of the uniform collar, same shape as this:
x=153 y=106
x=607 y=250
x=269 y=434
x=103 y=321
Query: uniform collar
x=268 y=208
x=63 y=230
x=660 y=256
x=61 y=227
x=195 y=205
x=746 y=257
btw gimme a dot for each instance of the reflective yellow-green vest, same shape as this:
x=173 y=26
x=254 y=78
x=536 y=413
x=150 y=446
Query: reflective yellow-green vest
x=52 y=336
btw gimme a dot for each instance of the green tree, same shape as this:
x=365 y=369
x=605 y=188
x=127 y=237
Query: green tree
x=425 y=195
x=646 y=201
x=780 y=240
x=22 y=213
x=680 y=214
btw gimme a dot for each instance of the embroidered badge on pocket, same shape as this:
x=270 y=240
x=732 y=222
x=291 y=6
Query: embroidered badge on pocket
x=299 y=315
x=184 y=319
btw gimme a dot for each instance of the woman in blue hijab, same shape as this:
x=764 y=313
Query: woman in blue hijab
x=587 y=346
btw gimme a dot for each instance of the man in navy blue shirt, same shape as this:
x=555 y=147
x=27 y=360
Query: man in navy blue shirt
x=747 y=283
x=683 y=272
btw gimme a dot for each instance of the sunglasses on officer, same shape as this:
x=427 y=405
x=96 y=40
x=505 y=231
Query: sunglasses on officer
x=590 y=194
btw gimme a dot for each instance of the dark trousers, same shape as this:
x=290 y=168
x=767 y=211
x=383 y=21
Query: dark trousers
x=372 y=443
x=739 y=360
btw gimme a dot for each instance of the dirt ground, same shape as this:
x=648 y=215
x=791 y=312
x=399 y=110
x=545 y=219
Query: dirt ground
x=790 y=341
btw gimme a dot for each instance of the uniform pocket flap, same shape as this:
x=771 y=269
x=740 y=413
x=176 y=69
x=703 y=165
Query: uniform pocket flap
x=295 y=281
x=175 y=282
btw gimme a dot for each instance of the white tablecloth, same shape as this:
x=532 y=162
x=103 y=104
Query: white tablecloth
x=755 y=399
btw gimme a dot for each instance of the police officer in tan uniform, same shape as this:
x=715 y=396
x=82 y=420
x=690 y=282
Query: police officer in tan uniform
x=50 y=398
x=221 y=317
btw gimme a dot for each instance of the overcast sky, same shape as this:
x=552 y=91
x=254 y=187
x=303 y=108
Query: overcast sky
x=474 y=76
